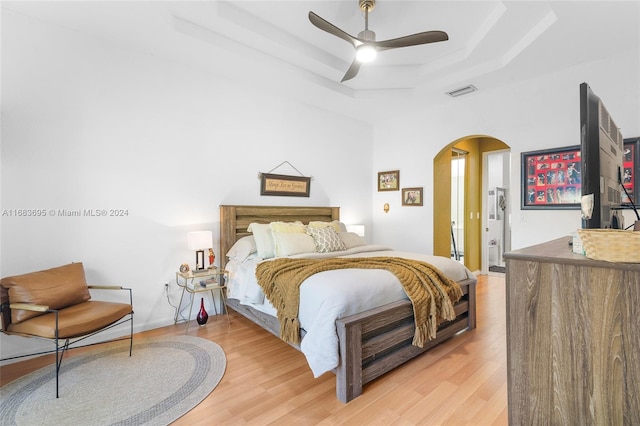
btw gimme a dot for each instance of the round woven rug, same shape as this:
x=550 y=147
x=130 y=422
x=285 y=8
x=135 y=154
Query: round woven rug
x=163 y=379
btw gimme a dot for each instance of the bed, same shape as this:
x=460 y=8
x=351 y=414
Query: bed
x=371 y=342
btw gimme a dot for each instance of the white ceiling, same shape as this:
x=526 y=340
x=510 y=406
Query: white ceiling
x=272 y=44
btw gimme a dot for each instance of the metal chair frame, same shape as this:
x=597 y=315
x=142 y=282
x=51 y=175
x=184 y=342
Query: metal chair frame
x=69 y=342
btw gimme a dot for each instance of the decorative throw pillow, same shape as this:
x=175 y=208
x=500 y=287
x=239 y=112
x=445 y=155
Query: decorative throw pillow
x=288 y=227
x=337 y=225
x=326 y=239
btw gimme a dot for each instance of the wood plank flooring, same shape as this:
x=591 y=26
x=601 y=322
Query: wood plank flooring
x=461 y=382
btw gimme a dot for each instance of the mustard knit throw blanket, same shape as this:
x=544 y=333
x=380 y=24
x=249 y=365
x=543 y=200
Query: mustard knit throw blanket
x=430 y=291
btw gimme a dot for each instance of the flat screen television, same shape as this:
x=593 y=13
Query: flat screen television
x=602 y=149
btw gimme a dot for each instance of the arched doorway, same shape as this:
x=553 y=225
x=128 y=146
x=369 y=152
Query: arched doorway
x=474 y=201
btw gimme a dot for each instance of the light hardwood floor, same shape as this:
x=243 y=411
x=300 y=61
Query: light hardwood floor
x=461 y=382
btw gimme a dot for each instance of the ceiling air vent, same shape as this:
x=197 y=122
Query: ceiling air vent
x=462 y=91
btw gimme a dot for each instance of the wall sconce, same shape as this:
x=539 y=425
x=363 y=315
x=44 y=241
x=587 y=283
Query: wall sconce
x=198 y=241
x=386 y=207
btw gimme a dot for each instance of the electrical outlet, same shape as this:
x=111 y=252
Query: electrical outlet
x=166 y=286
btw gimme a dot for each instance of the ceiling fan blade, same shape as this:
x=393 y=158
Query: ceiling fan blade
x=412 y=40
x=332 y=29
x=352 y=71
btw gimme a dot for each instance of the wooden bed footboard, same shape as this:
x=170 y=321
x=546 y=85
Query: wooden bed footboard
x=378 y=340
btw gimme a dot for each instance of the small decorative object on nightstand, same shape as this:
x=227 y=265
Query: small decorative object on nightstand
x=202 y=316
x=212 y=258
x=192 y=282
x=184 y=268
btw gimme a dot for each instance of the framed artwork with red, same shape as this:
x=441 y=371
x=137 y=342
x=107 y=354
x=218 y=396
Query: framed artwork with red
x=551 y=178
x=630 y=165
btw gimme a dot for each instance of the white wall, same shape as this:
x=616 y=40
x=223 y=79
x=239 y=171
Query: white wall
x=87 y=125
x=537 y=114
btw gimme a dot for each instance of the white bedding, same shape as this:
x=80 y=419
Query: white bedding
x=329 y=295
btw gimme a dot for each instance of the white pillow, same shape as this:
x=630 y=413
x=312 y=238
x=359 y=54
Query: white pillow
x=263 y=238
x=290 y=243
x=326 y=239
x=285 y=228
x=242 y=249
x=351 y=239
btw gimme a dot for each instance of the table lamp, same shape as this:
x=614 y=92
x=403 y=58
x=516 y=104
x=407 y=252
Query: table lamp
x=199 y=241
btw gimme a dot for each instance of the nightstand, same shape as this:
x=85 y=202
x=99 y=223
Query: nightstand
x=191 y=284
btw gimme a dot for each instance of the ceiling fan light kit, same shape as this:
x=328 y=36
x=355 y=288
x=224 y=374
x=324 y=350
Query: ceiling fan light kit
x=366 y=53
x=366 y=45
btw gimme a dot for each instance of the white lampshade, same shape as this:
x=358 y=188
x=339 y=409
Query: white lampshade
x=199 y=240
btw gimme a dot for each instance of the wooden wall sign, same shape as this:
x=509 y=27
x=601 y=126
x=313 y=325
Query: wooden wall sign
x=294 y=186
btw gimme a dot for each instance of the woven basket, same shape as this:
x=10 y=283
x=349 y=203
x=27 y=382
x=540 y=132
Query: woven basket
x=612 y=245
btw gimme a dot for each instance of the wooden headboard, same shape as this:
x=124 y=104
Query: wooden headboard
x=234 y=220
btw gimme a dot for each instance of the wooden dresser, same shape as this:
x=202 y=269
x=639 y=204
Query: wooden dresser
x=573 y=338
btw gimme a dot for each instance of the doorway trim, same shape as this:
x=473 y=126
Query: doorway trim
x=475 y=209
x=485 y=207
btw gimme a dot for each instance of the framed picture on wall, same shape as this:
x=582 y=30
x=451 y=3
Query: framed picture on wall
x=389 y=181
x=630 y=165
x=412 y=196
x=551 y=178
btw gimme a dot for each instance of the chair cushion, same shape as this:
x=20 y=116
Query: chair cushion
x=56 y=288
x=74 y=321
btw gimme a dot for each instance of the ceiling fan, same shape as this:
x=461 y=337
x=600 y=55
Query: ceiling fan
x=366 y=45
